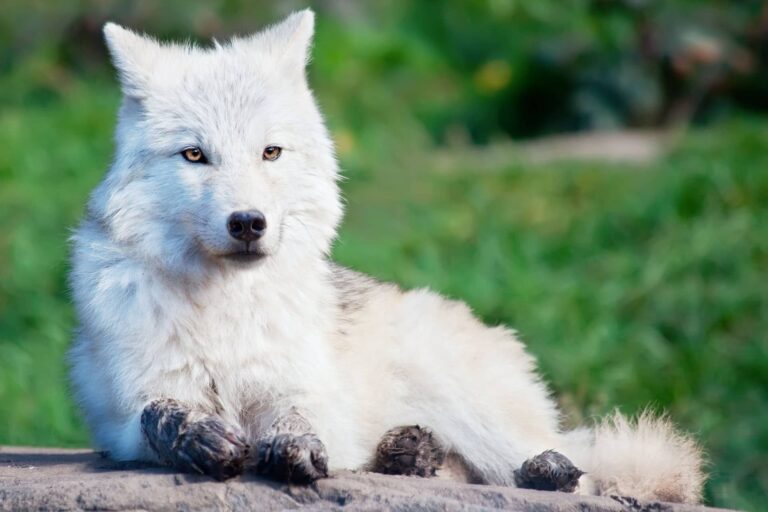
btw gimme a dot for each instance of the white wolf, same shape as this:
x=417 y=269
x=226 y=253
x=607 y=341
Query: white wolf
x=216 y=336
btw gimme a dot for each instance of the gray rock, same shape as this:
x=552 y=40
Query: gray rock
x=56 y=479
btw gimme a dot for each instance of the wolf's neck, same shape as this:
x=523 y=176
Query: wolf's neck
x=274 y=282
x=250 y=311
x=289 y=301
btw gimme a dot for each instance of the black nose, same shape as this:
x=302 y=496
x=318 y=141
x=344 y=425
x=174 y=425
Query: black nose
x=247 y=226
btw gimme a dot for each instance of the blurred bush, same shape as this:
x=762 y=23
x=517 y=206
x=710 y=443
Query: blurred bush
x=468 y=71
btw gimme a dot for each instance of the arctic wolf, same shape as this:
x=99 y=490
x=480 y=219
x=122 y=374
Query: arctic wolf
x=216 y=335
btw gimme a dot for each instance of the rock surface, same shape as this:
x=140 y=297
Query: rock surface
x=54 y=479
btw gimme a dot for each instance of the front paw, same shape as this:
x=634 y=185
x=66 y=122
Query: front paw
x=212 y=447
x=292 y=458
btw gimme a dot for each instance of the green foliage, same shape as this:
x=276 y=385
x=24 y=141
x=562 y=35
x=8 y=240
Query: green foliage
x=52 y=157
x=476 y=70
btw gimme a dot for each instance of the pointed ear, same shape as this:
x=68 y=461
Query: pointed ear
x=134 y=56
x=291 y=38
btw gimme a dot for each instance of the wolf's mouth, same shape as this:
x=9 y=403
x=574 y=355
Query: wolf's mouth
x=244 y=256
x=248 y=254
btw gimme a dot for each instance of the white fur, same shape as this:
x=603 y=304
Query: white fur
x=163 y=314
x=644 y=458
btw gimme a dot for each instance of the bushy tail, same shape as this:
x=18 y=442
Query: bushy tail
x=645 y=458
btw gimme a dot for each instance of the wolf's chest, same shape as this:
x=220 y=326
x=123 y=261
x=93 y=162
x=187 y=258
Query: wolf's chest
x=249 y=349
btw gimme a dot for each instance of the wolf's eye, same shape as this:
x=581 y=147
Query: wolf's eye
x=271 y=153
x=194 y=155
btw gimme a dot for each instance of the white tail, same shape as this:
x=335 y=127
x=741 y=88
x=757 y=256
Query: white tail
x=645 y=458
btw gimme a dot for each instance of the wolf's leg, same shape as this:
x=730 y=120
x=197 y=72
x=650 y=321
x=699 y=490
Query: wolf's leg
x=548 y=471
x=410 y=450
x=193 y=441
x=290 y=451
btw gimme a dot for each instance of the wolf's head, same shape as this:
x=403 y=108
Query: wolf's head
x=221 y=153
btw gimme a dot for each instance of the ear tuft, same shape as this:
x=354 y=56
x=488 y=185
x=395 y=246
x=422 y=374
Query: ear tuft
x=303 y=28
x=114 y=33
x=133 y=55
x=292 y=37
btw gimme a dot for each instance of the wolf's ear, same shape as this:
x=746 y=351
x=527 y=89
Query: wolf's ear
x=290 y=40
x=134 y=57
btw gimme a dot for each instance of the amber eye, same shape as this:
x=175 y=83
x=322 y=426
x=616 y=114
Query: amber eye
x=194 y=155
x=271 y=153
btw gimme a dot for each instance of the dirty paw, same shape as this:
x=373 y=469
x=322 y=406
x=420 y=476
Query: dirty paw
x=292 y=458
x=193 y=441
x=548 y=471
x=408 y=451
x=212 y=447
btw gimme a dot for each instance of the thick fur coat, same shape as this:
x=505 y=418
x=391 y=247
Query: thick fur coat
x=172 y=305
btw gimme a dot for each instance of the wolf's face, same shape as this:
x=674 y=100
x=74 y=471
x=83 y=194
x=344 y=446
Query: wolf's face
x=222 y=155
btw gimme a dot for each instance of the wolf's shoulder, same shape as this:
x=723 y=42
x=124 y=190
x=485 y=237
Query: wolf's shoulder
x=347 y=280
x=354 y=289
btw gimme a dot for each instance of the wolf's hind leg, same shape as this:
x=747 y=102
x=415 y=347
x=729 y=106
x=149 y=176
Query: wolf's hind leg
x=548 y=471
x=193 y=441
x=410 y=450
x=290 y=451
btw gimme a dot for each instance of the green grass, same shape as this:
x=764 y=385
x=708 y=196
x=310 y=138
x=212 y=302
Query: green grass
x=632 y=285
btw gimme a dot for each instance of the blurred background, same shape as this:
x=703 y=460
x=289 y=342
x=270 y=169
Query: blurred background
x=592 y=172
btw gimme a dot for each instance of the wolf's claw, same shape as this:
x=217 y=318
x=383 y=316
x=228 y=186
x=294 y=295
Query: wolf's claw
x=408 y=451
x=193 y=442
x=292 y=458
x=548 y=471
